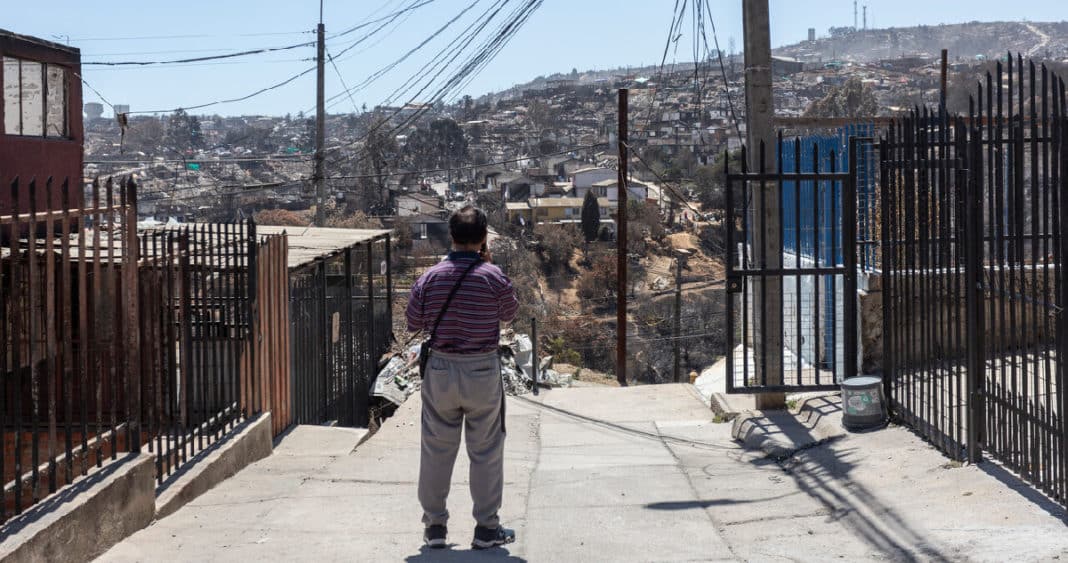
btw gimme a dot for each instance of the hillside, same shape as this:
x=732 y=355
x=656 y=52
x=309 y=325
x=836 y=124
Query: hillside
x=965 y=41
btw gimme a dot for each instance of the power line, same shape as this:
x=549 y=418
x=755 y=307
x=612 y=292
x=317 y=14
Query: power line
x=232 y=100
x=196 y=36
x=486 y=52
x=384 y=70
x=723 y=72
x=393 y=15
x=200 y=59
x=330 y=57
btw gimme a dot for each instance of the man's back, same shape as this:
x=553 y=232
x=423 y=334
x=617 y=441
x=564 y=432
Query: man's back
x=471 y=323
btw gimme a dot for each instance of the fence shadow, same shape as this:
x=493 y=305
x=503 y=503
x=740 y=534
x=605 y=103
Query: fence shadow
x=56 y=500
x=1024 y=489
x=823 y=474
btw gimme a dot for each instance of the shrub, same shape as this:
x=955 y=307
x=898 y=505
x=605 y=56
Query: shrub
x=282 y=218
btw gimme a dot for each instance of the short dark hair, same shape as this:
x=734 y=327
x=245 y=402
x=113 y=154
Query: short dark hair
x=468 y=225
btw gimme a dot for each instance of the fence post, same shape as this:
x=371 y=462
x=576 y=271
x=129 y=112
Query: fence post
x=887 y=249
x=133 y=335
x=350 y=339
x=968 y=177
x=849 y=261
x=534 y=351
x=254 y=320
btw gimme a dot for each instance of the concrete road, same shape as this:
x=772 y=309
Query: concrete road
x=619 y=474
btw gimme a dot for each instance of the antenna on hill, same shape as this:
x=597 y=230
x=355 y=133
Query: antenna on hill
x=865 y=18
x=854 y=15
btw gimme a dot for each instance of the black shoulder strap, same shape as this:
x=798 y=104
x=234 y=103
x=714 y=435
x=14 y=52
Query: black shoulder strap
x=445 y=307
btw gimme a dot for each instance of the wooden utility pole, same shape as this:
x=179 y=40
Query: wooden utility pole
x=621 y=244
x=766 y=217
x=680 y=257
x=320 y=122
x=945 y=74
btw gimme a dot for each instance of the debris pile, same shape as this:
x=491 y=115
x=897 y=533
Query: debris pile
x=399 y=378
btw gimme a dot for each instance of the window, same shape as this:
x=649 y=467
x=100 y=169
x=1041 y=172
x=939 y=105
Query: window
x=35 y=99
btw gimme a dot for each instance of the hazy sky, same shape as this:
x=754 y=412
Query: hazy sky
x=561 y=35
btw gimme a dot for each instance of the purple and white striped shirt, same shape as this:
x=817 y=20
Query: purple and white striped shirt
x=471 y=325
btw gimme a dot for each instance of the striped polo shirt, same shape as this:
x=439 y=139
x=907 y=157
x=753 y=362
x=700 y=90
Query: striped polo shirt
x=471 y=324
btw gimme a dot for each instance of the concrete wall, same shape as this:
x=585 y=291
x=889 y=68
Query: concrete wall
x=81 y=521
x=936 y=327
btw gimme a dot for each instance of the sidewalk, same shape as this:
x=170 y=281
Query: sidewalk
x=620 y=474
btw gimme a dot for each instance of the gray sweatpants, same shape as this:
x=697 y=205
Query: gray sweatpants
x=462 y=389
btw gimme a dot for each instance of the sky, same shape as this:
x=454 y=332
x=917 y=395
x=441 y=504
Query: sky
x=559 y=36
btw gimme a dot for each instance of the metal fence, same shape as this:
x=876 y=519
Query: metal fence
x=340 y=323
x=803 y=215
x=113 y=341
x=973 y=215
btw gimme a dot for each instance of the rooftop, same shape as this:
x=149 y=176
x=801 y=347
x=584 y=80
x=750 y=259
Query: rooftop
x=308 y=244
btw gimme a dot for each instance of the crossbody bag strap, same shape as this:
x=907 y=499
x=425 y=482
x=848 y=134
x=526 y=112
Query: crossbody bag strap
x=445 y=307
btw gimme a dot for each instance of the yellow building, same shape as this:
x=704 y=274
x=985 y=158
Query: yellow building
x=553 y=210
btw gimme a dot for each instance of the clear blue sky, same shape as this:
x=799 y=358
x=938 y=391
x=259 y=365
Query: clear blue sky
x=563 y=34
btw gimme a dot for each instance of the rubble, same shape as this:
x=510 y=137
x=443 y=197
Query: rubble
x=399 y=379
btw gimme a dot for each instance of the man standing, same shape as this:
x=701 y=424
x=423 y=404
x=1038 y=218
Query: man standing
x=461 y=302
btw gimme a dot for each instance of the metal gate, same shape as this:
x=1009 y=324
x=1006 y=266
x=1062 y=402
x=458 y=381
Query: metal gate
x=784 y=262
x=973 y=223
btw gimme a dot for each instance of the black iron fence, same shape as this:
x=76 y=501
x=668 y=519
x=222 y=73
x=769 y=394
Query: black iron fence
x=791 y=325
x=340 y=322
x=117 y=341
x=973 y=218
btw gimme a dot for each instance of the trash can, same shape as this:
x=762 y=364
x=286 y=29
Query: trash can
x=863 y=404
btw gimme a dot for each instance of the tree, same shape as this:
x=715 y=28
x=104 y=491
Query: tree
x=183 y=131
x=557 y=243
x=591 y=217
x=853 y=99
x=441 y=145
x=382 y=154
x=145 y=134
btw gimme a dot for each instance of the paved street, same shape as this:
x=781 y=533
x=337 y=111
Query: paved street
x=609 y=474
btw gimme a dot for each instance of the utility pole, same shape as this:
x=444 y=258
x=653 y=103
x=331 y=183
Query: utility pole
x=320 y=122
x=945 y=74
x=766 y=214
x=680 y=256
x=621 y=244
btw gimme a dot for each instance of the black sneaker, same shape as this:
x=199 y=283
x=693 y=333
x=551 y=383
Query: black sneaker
x=486 y=538
x=435 y=536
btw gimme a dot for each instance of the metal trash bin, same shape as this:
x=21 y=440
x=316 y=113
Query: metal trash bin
x=863 y=403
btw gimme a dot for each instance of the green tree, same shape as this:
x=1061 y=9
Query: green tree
x=591 y=217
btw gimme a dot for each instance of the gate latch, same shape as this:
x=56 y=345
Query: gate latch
x=734 y=283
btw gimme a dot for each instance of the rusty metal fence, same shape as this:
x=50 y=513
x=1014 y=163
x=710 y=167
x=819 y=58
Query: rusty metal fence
x=973 y=218
x=116 y=341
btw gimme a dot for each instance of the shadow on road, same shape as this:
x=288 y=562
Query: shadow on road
x=823 y=474
x=496 y=554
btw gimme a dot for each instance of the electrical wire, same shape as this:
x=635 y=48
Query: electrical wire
x=387 y=68
x=486 y=52
x=201 y=59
